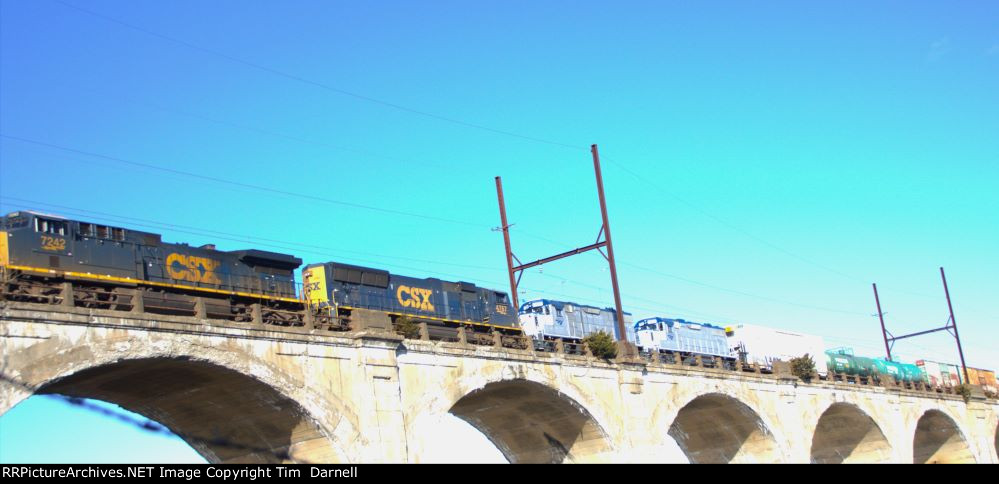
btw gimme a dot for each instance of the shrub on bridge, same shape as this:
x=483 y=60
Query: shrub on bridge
x=602 y=345
x=965 y=391
x=407 y=328
x=803 y=367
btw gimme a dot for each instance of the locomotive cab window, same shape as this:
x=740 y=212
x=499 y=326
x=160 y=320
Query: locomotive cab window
x=54 y=227
x=87 y=230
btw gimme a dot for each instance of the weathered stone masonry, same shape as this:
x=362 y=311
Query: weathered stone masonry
x=251 y=393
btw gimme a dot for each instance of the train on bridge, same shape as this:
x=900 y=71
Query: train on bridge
x=55 y=260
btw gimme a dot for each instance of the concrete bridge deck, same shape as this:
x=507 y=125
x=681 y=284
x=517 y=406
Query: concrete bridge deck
x=253 y=393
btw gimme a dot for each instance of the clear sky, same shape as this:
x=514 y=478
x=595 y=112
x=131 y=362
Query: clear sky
x=764 y=162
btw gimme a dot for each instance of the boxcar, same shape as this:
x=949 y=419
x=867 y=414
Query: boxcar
x=984 y=378
x=762 y=345
x=941 y=374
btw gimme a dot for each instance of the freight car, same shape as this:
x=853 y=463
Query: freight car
x=352 y=294
x=545 y=319
x=842 y=360
x=983 y=378
x=683 y=337
x=50 y=259
x=762 y=346
x=941 y=374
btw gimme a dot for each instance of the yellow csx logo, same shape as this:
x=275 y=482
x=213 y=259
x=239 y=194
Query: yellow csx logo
x=192 y=269
x=414 y=297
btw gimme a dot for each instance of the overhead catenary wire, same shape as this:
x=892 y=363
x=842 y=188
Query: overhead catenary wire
x=394 y=212
x=662 y=190
x=397 y=106
x=228 y=235
x=278 y=134
x=375 y=100
x=321 y=85
x=225 y=181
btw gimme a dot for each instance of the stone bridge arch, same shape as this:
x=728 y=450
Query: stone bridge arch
x=939 y=439
x=227 y=403
x=530 y=416
x=719 y=427
x=846 y=433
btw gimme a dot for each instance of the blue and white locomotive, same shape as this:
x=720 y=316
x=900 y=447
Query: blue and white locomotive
x=547 y=319
x=683 y=337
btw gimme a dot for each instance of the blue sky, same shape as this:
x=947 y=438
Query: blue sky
x=764 y=162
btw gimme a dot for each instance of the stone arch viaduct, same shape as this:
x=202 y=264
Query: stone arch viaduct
x=250 y=393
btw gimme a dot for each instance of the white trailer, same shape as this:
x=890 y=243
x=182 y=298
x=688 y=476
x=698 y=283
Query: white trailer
x=763 y=345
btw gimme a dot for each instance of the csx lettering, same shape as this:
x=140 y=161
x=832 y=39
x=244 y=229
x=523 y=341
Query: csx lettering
x=192 y=269
x=414 y=297
x=53 y=243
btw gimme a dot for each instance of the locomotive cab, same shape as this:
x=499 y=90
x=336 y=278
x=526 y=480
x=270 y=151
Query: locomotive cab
x=29 y=239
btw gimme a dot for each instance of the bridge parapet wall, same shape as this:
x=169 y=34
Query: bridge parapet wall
x=375 y=397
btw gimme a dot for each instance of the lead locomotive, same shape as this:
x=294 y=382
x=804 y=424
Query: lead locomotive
x=116 y=268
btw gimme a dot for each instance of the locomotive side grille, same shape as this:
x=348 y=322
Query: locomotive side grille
x=54 y=261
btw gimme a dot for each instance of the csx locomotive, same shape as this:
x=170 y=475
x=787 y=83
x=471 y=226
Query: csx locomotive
x=344 y=289
x=115 y=268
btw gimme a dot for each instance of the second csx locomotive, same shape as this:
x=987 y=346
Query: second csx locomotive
x=344 y=289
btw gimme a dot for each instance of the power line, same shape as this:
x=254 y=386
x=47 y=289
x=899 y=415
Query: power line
x=227 y=235
x=249 y=240
x=660 y=189
x=244 y=185
x=400 y=107
x=450 y=120
x=671 y=194
x=318 y=84
x=298 y=139
x=326 y=254
x=742 y=293
x=219 y=180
